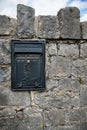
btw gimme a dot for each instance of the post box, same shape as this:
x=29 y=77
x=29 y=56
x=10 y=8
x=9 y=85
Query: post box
x=28 y=65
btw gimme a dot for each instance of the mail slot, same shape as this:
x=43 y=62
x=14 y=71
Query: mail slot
x=28 y=65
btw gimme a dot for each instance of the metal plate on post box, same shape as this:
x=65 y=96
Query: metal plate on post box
x=28 y=65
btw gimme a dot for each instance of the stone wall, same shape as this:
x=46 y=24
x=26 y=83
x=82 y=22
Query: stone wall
x=63 y=105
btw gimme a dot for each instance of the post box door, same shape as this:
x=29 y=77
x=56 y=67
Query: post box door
x=28 y=68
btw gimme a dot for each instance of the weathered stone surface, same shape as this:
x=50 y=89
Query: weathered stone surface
x=75 y=101
x=71 y=88
x=22 y=122
x=77 y=115
x=83 y=50
x=47 y=60
x=69 y=22
x=68 y=41
x=64 y=127
x=53 y=128
x=4 y=124
x=7 y=112
x=83 y=96
x=9 y=98
x=56 y=99
x=7 y=26
x=5 y=51
x=52 y=49
x=83 y=126
x=25 y=18
x=52 y=67
x=5 y=73
x=84 y=30
x=69 y=84
x=68 y=50
x=34 y=119
x=54 y=117
x=32 y=122
x=70 y=127
x=79 y=68
x=59 y=66
x=47 y=27
x=29 y=111
x=51 y=84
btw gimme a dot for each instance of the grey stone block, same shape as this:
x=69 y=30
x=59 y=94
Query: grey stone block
x=75 y=101
x=77 y=115
x=42 y=99
x=69 y=22
x=7 y=26
x=47 y=27
x=22 y=122
x=68 y=50
x=64 y=127
x=32 y=120
x=4 y=124
x=25 y=19
x=53 y=128
x=69 y=84
x=5 y=73
x=47 y=62
x=52 y=49
x=54 y=117
x=83 y=50
x=52 y=67
x=59 y=66
x=32 y=110
x=5 y=51
x=29 y=123
x=72 y=127
x=83 y=126
x=7 y=112
x=79 y=68
x=9 y=98
x=51 y=84
x=53 y=99
x=84 y=30
x=83 y=97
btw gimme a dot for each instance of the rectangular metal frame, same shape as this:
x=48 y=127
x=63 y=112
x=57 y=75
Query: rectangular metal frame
x=28 y=65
